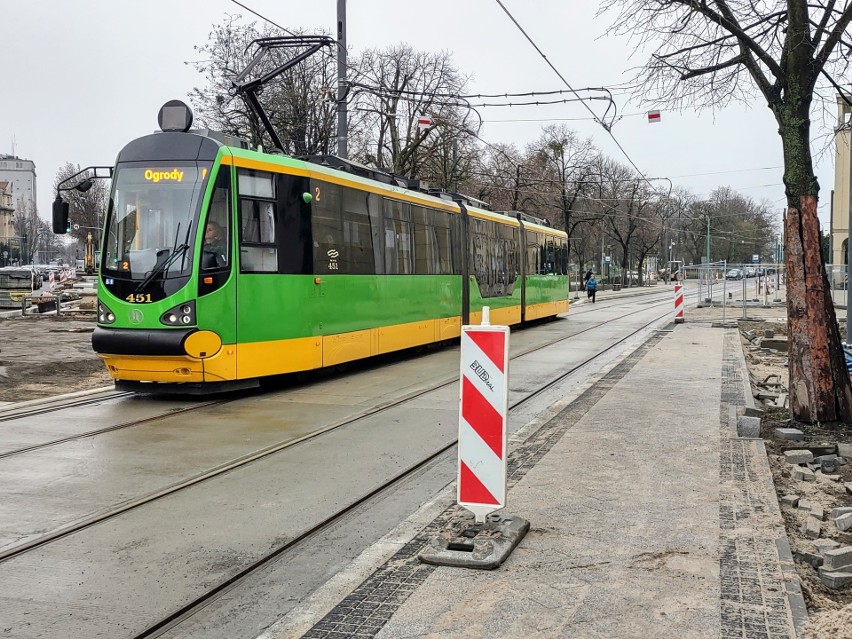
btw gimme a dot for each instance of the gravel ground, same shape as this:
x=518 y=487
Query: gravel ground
x=42 y=356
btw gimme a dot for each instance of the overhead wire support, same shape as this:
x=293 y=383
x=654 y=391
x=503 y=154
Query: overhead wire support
x=250 y=88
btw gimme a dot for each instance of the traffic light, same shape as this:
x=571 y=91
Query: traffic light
x=61 y=225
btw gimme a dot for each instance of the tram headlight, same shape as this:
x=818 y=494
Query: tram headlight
x=180 y=315
x=105 y=316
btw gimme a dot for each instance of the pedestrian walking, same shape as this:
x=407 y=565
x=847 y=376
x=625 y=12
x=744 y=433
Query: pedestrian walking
x=591 y=287
x=586 y=278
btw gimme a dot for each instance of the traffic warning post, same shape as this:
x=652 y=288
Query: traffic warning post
x=483 y=436
x=486 y=539
x=678 y=302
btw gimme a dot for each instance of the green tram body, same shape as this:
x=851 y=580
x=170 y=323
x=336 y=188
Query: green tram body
x=315 y=266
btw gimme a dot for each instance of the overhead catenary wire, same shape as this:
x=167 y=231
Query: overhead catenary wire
x=603 y=124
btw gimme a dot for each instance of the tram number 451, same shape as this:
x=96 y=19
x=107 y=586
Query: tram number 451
x=138 y=298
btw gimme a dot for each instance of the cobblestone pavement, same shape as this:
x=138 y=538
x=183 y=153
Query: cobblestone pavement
x=761 y=596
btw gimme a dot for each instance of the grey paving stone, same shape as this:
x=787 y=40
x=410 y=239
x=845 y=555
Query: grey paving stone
x=804 y=504
x=844 y=522
x=803 y=474
x=834 y=579
x=822 y=545
x=793 y=434
x=790 y=500
x=840 y=510
x=817 y=512
x=810 y=527
x=844 y=450
x=798 y=456
x=748 y=427
x=838 y=559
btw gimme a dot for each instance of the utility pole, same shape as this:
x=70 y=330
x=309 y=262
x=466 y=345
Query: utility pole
x=342 y=124
x=708 y=240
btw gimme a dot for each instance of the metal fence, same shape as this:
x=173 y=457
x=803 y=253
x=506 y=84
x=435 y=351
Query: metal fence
x=724 y=292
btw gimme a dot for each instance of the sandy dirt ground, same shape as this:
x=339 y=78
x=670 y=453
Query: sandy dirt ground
x=41 y=356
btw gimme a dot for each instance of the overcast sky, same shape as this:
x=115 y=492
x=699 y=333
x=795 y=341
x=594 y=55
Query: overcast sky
x=83 y=78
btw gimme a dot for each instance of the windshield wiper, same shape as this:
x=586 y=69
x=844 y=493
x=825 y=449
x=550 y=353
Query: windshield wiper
x=177 y=251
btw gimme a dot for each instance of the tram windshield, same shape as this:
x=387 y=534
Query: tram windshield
x=152 y=218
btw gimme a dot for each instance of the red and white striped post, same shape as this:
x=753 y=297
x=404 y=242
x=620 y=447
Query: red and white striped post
x=678 y=291
x=483 y=406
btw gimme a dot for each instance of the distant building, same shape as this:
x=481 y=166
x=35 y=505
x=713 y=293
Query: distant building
x=7 y=211
x=840 y=195
x=21 y=174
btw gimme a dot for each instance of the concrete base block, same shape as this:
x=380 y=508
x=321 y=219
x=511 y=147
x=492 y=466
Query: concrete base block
x=748 y=427
x=467 y=544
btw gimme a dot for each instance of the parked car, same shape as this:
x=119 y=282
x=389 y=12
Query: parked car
x=734 y=274
x=749 y=271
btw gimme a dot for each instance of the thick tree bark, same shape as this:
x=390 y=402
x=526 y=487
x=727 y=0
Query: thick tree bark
x=819 y=384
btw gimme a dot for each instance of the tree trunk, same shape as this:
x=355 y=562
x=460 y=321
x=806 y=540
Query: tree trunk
x=819 y=384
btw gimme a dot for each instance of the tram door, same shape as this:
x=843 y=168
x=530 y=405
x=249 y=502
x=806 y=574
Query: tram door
x=273 y=218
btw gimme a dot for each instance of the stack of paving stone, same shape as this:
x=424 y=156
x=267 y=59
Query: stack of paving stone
x=836 y=568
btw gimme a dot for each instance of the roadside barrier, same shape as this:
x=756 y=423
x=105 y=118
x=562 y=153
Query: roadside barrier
x=678 y=302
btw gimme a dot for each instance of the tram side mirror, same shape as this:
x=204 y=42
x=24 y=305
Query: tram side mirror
x=84 y=186
x=60 y=216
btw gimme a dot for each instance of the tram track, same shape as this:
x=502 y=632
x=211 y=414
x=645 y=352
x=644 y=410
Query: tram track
x=193 y=607
x=15 y=412
x=89 y=401
x=109 y=429
x=244 y=460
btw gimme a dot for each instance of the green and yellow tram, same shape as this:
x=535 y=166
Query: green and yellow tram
x=222 y=265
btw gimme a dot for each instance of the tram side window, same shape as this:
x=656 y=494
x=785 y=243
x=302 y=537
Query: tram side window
x=562 y=256
x=550 y=255
x=258 y=250
x=533 y=262
x=398 y=245
x=511 y=247
x=326 y=227
x=216 y=250
x=357 y=248
x=427 y=261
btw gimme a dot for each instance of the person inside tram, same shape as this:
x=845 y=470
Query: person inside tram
x=215 y=246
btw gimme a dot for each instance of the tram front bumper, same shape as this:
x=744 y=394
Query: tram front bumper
x=177 y=356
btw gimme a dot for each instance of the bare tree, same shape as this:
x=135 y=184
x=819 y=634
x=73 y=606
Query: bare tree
x=405 y=85
x=709 y=52
x=564 y=165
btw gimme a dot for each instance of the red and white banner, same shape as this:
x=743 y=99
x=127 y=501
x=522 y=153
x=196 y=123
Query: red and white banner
x=653 y=116
x=678 y=291
x=483 y=433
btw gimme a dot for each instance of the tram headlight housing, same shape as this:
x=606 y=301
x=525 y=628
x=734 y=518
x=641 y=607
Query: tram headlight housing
x=181 y=315
x=105 y=316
